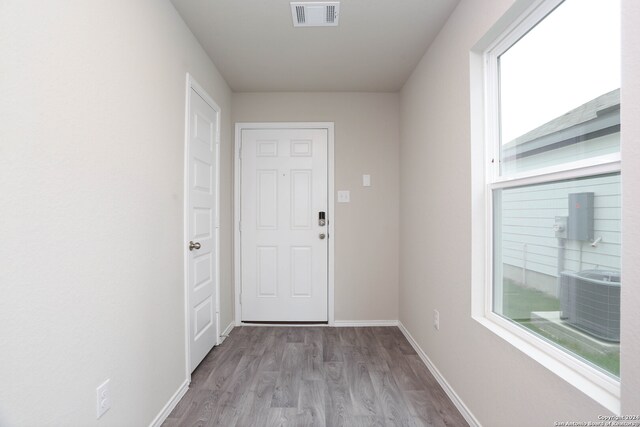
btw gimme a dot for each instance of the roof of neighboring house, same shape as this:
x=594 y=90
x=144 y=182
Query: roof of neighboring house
x=598 y=117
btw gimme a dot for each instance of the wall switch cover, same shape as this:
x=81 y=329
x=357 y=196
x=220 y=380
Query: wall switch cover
x=344 y=196
x=366 y=180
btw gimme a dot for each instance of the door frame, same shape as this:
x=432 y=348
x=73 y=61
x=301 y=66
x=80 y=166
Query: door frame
x=193 y=84
x=237 y=250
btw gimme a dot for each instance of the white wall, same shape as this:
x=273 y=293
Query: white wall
x=499 y=384
x=366 y=233
x=92 y=101
x=630 y=126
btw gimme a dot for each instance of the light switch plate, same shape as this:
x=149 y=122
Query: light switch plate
x=344 y=196
x=366 y=180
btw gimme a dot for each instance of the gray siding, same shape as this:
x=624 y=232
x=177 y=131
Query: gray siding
x=528 y=216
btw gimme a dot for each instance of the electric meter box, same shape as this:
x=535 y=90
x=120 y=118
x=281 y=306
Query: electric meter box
x=580 y=221
x=560 y=227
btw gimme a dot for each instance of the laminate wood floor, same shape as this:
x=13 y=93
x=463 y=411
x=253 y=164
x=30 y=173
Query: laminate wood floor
x=314 y=376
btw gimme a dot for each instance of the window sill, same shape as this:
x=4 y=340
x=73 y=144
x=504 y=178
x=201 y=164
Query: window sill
x=596 y=384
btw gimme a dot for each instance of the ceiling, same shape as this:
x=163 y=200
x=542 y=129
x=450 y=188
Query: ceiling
x=256 y=48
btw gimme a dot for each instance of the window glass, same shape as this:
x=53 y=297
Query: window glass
x=556 y=244
x=560 y=88
x=557 y=264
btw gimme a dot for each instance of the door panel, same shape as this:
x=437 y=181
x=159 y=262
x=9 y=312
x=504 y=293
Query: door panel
x=267 y=274
x=301 y=196
x=267 y=199
x=203 y=221
x=301 y=271
x=284 y=262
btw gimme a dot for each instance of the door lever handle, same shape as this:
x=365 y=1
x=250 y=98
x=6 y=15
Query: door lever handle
x=193 y=245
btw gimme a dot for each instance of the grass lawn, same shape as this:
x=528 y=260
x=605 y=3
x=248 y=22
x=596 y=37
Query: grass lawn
x=519 y=302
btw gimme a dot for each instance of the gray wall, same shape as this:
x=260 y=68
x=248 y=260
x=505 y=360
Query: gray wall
x=499 y=384
x=92 y=102
x=366 y=233
x=630 y=292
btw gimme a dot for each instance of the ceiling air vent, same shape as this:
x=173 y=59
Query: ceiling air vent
x=315 y=14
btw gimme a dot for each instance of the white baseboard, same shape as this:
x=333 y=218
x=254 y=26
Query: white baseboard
x=164 y=413
x=336 y=324
x=466 y=413
x=363 y=323
x=227 y=331
x=179 y=394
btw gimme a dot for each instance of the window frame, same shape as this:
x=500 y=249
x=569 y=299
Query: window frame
x=485 y=124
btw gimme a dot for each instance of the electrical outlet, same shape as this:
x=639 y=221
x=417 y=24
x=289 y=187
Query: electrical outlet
x=344 y=196
x=103 y=395
x=436 y=319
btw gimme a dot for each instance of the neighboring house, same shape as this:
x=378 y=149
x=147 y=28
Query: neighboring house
x=529 y=214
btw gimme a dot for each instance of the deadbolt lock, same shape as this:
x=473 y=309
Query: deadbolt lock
x=322 y=220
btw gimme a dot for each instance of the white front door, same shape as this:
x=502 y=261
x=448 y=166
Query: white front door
x=202 y=227
x=284 y=250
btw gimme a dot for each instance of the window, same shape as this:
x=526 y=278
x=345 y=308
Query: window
x=553 y=193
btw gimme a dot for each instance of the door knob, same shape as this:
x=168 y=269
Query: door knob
x=322 y=236
x=193 y=246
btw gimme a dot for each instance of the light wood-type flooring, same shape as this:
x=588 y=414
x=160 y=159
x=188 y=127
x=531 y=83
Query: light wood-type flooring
x=314 y=376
